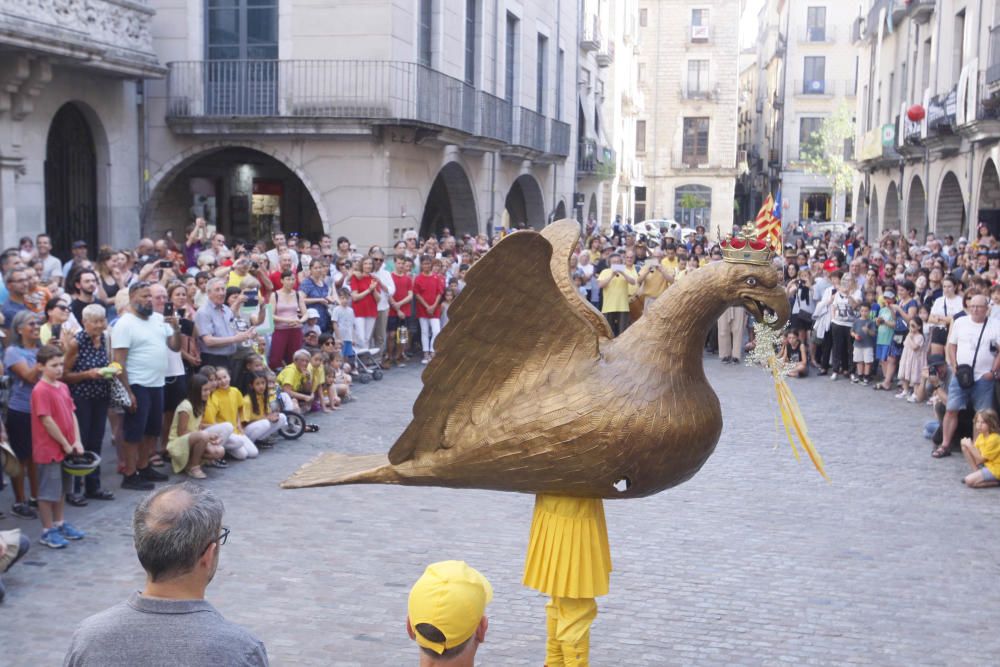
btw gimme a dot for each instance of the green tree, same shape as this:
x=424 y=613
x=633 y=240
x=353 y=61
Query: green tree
x=690 y=201
x=826 y=153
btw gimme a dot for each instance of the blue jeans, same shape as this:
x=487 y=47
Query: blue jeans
x=980 y=393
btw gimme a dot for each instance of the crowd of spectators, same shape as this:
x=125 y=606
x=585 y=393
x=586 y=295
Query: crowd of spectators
x=917 y=318
x=195 y=352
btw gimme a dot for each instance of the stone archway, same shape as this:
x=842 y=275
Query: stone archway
x=525 y=204
x=950 y=218
x=560 y=212
x=177 y=164
x=245 y=192
x=916 y=207
x=861 y=213
x=890 y=218
x=450 y=204
x=989 y=198
x=71 y=182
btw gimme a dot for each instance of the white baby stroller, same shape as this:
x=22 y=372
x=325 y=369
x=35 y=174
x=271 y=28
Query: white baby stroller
x=366 y=364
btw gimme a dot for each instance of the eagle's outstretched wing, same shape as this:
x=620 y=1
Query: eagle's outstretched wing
x=518 y=324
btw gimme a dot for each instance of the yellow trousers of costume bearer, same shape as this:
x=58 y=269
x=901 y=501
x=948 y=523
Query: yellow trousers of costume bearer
x=731 y=325
x=567 y=624
x=569 y=560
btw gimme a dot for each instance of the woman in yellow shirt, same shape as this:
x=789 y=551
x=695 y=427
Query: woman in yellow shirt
x=983 y=455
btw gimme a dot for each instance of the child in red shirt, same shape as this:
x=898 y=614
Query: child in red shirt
x=428 y=289
x=54 y=434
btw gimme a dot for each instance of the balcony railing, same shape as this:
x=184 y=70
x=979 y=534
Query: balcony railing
x=529 y=129
x=591 y=158
x=814 y=87
x=367 y=91
x=590 y=33
x=559 y=136
x=820 y=34
x=495 y=118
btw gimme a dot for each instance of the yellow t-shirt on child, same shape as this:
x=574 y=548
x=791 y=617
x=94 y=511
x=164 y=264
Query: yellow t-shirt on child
x=224 y=406
x=989 y=448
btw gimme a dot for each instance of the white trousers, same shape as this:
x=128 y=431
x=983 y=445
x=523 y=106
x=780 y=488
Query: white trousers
x=430 y=327
x=263 y=428
x=240 y=447
x=223 y=430
x=363 y=329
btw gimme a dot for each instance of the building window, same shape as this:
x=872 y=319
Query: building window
x=640 y=73
x=470 y=42
x=560 y=65
x=640 y=136
x=242 y=30
x=816 y=206
x=643 y=17
x=693 y=206
x=814 y=75
x=816 y=24
x=640 y=204
x=697 y=83
x=699 y=25
x=510 y=52
x=424 y=34
x=694 y=150
x=807 y=127
x=543 y=49
x=925 y=65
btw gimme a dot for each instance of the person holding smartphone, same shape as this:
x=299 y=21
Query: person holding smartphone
x=614 y=282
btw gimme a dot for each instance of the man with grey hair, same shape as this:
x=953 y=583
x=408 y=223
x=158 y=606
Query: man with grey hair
x=216 y=324
x=177 y=532
x=16 y=280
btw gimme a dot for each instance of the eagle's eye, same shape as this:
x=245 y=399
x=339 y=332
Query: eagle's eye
x=752 y=282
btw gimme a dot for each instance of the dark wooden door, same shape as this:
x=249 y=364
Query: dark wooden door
x=70 y=182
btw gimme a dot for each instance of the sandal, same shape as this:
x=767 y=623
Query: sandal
x=941 y=452
x=196 y=472
x=156 y=461
x=311 y=428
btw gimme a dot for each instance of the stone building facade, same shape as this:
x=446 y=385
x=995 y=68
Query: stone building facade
x=939 y=173
x=70 y=110
x=806 y=71
x=687 y=135
x=607 y=171
x=362 y=119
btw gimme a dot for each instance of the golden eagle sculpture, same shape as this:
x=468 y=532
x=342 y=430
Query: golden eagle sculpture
x=529 y=392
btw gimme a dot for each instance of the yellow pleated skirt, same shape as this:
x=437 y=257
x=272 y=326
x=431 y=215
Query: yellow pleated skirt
x=568 y=552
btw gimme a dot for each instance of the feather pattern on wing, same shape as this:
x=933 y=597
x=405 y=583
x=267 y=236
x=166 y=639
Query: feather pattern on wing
x=518 y=322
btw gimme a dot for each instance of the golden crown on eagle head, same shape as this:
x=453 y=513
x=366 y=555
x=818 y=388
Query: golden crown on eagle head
x=750 y=245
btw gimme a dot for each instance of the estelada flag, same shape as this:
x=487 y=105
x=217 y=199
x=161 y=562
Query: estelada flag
x=767 y=225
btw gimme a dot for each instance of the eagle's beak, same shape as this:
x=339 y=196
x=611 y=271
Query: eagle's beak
x=768 y=305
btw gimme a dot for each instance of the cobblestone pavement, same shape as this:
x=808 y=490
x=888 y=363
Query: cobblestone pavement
x=754 y=561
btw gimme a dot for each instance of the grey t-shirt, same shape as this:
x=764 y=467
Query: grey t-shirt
x=162 y=633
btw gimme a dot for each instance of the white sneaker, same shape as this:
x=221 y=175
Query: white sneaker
x=912 y=398
x=833 y=376
x=901 y=394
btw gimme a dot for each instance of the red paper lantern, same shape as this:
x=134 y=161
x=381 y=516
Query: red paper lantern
x=916 y=113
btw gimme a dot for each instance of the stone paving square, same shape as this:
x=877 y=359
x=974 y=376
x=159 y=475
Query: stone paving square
x=755 y=561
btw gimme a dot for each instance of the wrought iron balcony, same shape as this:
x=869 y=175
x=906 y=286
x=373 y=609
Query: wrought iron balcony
x=529 y=129
x=593 y=159
x=303 y=90
x=559 y=134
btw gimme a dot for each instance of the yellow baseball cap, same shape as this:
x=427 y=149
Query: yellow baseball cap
x=451 y=597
